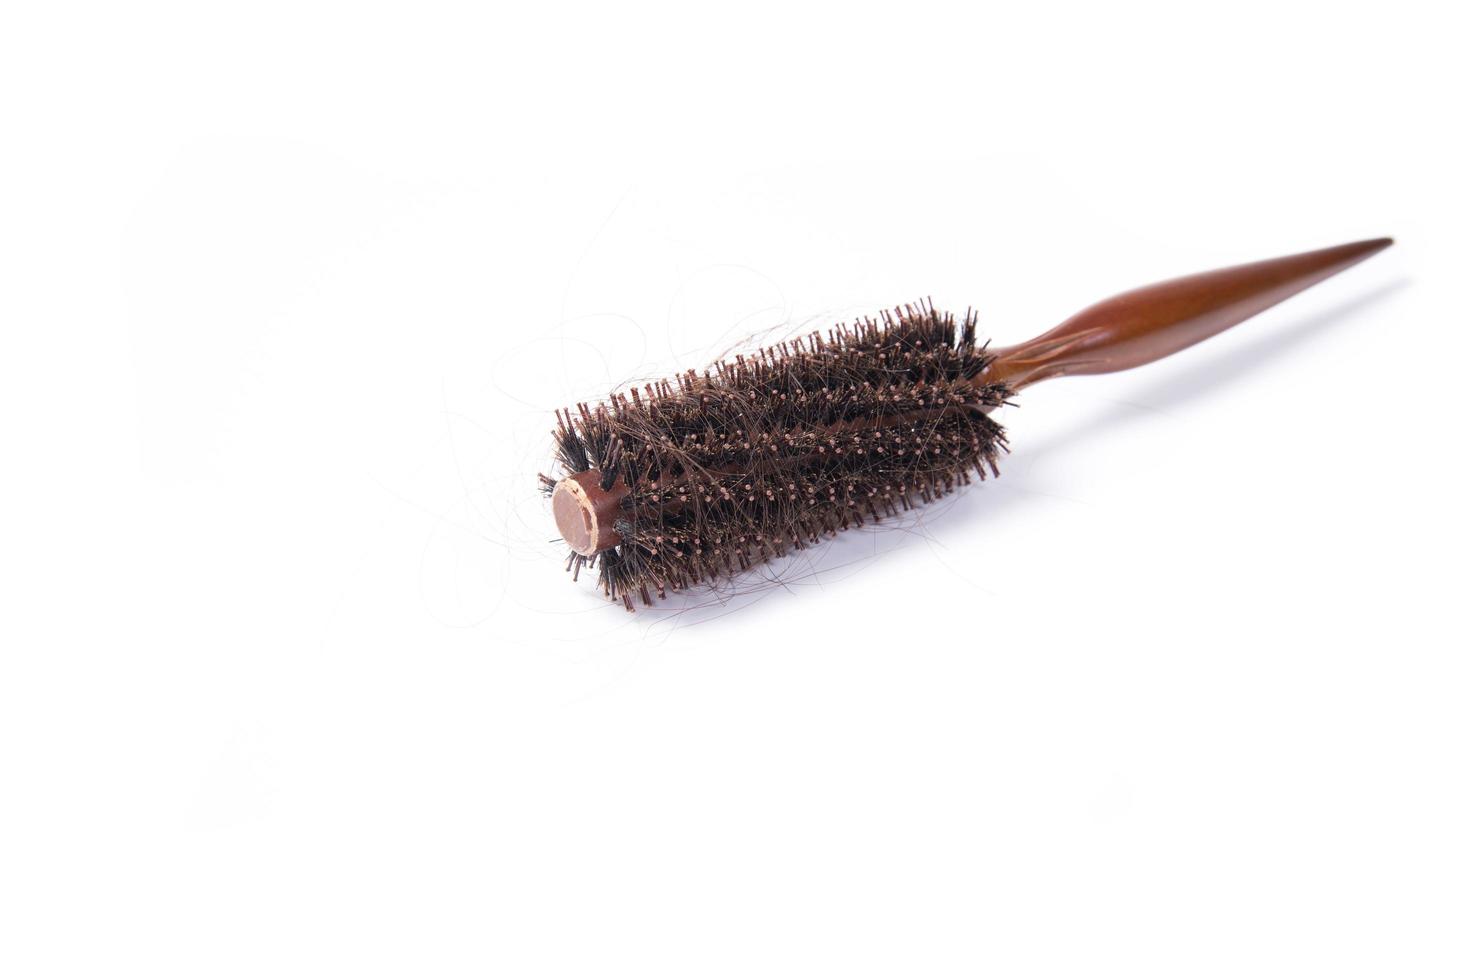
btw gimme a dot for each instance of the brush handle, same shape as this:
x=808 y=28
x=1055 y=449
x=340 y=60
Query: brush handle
x=1145 y=324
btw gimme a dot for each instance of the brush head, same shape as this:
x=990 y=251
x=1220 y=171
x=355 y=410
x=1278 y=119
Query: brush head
x=701 y=476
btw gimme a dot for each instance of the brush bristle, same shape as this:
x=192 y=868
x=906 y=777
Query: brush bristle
x=771 y=452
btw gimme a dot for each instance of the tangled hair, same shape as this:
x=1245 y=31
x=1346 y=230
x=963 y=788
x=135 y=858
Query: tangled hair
x=772 y=451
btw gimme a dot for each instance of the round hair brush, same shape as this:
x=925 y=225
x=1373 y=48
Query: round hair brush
x=703 y=475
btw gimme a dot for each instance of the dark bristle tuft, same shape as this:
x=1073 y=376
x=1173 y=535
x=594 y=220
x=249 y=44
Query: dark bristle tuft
x=774 y=450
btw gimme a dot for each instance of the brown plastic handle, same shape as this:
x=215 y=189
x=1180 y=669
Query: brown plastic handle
x=1145 y=324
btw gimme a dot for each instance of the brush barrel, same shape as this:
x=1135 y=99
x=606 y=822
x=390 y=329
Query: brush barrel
x=1146 y=324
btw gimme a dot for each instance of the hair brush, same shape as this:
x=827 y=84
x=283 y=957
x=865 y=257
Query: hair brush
x=703 y=475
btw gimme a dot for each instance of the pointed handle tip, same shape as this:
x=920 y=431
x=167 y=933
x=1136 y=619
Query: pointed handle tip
x=1372 y=246
x=1353 y=252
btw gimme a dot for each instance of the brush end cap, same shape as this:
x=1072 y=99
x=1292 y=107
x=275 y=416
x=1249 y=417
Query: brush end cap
x=585 y=512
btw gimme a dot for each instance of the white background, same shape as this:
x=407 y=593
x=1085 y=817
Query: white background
x=293 y=683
